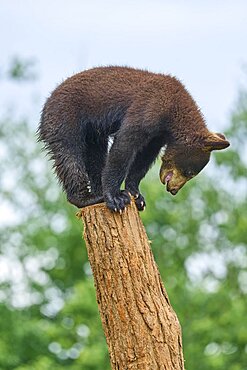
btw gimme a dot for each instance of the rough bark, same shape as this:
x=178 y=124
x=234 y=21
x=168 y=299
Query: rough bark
x=142 y=330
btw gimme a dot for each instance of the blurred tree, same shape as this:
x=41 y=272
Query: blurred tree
x=49 y=317
x=22 y=70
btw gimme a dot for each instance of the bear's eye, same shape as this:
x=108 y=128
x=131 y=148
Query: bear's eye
x=188 y=173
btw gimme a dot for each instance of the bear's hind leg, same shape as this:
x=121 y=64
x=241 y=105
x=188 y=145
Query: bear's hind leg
x=95 y=162
x=69 y=164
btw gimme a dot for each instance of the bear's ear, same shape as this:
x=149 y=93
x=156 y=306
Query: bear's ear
x=215 y=141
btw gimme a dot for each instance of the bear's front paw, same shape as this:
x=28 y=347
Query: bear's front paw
x=140 y=202
x=139 y=198
x=117 y=202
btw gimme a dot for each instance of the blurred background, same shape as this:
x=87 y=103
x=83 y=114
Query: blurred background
x=49 y=317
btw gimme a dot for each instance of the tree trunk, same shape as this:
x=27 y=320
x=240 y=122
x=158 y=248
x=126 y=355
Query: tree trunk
x=142 y=330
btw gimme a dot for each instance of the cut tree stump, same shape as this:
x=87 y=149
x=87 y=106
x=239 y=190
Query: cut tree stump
x=142 y=330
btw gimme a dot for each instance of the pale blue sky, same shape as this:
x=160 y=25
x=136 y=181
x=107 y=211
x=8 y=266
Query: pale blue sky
x=201 y=42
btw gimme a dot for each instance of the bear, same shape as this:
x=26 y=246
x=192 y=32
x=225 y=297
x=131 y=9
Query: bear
x=139 y=113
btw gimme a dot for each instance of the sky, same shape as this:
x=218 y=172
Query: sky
x=200 y=42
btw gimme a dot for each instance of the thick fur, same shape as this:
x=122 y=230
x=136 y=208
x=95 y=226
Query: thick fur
x=143 y=112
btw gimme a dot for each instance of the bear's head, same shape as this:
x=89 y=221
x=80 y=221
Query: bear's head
x=182 y=162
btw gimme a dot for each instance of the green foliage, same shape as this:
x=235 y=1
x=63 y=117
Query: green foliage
x=22 y=70
x=49 y=316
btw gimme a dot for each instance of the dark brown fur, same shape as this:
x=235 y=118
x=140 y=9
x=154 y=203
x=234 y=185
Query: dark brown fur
x=143 y=111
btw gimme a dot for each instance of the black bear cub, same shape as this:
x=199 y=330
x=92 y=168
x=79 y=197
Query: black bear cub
x=142 y=112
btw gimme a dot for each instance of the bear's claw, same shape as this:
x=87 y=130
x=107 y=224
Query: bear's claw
x=118 y=202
